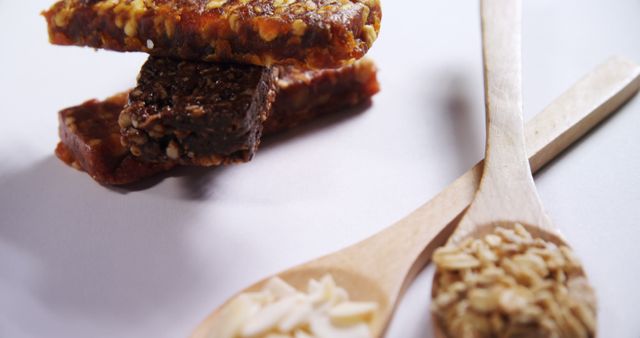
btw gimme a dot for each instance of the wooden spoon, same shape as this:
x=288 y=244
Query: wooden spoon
x=381 y=267
x=507 y=193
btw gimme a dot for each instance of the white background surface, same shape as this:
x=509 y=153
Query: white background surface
x=81 y=260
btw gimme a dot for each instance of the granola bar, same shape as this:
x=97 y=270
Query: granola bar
x=197 y=113
x=315 y=33
x=90 y=134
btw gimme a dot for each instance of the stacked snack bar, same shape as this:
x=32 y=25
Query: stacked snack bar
x=91 y=137
x=315 y=33
x=188 y=108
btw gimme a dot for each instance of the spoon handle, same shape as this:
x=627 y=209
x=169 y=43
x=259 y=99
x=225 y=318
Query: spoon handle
x=506 y=192
x=501 y=36
x=405 y=247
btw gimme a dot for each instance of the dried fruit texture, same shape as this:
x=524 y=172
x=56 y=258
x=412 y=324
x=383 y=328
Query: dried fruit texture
x=304 y=95
x=315 y=33
x=197 y=113
x=90 y=135
x=510 y=284
x=281 y=311
x=90 y=141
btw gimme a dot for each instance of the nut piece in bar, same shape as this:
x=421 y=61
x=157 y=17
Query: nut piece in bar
x=315 y=33
x=90 y=135
x=90 y=141
x=197 y=113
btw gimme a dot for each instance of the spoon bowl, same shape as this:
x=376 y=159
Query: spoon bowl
x=359 y=287
x=481 y=231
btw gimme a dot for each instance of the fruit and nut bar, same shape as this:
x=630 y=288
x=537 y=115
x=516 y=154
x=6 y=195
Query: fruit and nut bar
x=316 y=33
x=197 y=113
x=305 y=94
x=512 y=284
x=90 y=135
x=90 y=141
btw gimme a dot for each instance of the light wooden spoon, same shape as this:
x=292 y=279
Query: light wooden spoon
x=381 y=267
x=507 y=193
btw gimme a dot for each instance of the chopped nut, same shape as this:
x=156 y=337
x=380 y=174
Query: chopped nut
x=351 y=312
x=131 y=28
x=281 y=311
x=124 y=120
x=135 y=151
x=282 y=3
x=215 y=3
x=370 y=34
x=299 y=27
x=173 y=152
x=234 y=23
